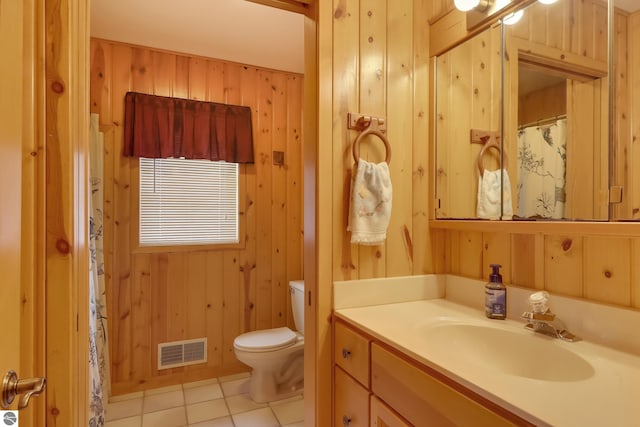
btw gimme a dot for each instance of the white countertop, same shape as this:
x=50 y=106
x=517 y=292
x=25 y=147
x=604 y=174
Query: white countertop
x=608 y=396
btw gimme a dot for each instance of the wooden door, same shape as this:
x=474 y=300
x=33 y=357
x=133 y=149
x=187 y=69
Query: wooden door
x=10 y=179
x=43 y=204
x=21 y=350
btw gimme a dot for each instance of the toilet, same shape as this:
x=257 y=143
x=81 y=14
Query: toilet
x=276 y=355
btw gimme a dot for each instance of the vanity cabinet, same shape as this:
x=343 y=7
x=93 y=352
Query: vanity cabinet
x=351 y=377
x=379 y=386
x=383 y=416
x=351 y=353
x=351 y=401
x=421 y=398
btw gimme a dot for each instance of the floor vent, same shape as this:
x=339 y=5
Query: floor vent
x=182 y=353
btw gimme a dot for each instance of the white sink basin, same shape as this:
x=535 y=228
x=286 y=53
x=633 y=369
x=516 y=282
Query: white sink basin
x=524 y=354
x=546 y=381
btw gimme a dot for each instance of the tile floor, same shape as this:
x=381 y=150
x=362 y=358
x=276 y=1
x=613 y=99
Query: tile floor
x=222 y=402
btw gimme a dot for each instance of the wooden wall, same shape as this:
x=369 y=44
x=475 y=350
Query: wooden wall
x=373 y=59
x=573 y=26
x=542 y=104
x=218 y=294
x=597 y=268
x=380 y=68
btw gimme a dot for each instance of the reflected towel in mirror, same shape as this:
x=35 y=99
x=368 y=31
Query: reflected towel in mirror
x=489 y=190
x=370 y=203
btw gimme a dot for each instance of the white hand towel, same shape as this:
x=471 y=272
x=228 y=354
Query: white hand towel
x=489 y=195
x=370 y=203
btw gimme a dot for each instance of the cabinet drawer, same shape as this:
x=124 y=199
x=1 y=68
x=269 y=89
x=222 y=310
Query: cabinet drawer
x=422 y=399
x=351 y=401
x=383 y=416
x=351 y=353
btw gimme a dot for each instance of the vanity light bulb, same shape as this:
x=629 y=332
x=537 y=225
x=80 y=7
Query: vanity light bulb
x=513 y=18
x=466 y=5
x=547 y=1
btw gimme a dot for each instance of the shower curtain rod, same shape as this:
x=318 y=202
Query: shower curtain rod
x=543 y=122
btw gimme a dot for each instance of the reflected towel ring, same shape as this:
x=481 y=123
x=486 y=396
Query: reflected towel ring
x=371 y=128
x=485 y=147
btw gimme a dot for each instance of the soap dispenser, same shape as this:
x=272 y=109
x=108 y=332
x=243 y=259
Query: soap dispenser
x=495 y=295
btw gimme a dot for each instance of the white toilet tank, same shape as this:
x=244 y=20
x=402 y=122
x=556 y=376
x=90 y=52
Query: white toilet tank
x=297 y=303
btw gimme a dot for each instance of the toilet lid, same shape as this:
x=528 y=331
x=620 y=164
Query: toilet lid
x=265 y=340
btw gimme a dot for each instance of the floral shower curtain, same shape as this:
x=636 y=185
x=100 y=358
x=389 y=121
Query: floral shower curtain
x=542 y=157
x=98 y=351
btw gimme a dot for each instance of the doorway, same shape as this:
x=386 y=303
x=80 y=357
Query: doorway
x=273 y=183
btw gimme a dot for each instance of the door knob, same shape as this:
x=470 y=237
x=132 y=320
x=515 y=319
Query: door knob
x=12 y=387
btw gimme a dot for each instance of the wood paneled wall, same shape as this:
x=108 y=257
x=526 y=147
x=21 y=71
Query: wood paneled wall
x=597 y=268
x=575 y=26
x=353 y=38
x=373 y=59
x=542 y=104
x=218 y=294
x=380 y=68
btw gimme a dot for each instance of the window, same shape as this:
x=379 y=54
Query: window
x=188 y=202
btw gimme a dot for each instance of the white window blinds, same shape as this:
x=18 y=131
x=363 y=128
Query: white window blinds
x=188 y=202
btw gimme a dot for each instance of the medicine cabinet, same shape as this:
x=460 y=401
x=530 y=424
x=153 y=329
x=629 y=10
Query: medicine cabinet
x=540 y=89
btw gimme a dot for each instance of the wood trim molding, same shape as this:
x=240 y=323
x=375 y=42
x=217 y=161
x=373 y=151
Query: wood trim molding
x=66 y=102
x=304 y=7
x=588 y=228
x=565 y=63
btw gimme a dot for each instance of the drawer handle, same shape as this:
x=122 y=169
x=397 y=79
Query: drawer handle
x=345 y=355
x=346 y=421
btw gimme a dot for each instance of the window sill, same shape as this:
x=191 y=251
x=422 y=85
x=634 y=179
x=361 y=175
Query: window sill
x=187 y=248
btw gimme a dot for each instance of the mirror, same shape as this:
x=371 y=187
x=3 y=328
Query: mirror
x=556 y=106
x=467 y=96
x=554 y=144
x=626 y=152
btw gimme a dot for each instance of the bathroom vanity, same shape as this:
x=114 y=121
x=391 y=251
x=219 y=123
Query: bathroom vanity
x=378 y=385
x=423 y=359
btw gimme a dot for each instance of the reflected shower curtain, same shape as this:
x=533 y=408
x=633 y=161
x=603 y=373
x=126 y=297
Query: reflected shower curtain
x=542 y=156
x=98 y=351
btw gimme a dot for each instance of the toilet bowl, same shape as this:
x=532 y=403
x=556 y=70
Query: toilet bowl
x=276 y=355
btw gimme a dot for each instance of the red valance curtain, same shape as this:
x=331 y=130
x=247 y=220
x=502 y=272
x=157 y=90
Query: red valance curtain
x=161 y=127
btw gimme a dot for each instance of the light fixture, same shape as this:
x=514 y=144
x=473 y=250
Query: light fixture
x=547 y=1
x=513 y=18
x=467 y=5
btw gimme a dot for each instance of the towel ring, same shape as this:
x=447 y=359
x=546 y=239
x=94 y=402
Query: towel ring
x=485 y=147
x=371 y=128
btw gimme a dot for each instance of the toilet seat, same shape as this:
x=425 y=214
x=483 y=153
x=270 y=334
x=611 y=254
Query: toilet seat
x=265 y=340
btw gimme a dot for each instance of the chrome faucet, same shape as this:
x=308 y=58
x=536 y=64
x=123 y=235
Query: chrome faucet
x=547 y=323
x=542 y=320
